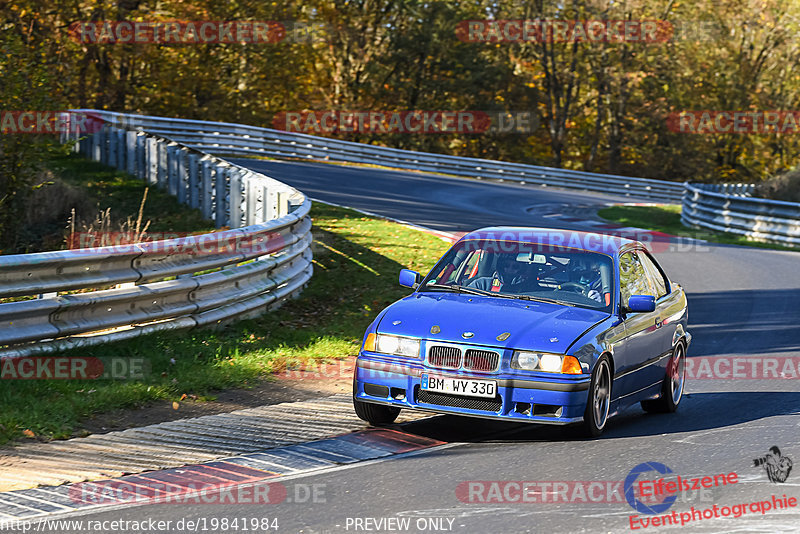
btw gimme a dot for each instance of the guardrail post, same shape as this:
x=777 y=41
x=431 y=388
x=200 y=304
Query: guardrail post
x=183 y=174
x=111 y=158
x=131 y=154
x=220 y=195
x=141 y=157
x=235 y=198
x=206 y=188
x=82 y=145
x=161 y=158
x=151 y=160
x=192 y=162
x=269 y=204
x=122 y=151
x=283 y=203
x=105 y=143
x=251 y=200
x=172 y=170
x=96 y=145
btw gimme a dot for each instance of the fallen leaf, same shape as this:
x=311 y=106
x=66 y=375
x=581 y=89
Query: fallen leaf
x=28 y=432
x=183 y=396
x=175 y=405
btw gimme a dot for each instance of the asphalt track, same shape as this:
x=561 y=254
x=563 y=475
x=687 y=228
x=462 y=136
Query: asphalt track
x=743 y=302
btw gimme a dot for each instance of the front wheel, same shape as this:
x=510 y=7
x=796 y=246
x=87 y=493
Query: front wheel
x=597 y=405
x=375 y=414
x=672 y=386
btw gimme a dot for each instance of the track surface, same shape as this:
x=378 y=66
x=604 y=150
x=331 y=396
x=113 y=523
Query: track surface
x=743 y=302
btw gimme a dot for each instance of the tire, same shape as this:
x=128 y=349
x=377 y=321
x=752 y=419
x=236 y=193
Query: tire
x=672 y=386
x=374 y=414
x=599 y=402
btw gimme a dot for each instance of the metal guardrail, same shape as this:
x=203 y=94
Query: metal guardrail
x=228 y=139
x=729 y=208
x=123 y=291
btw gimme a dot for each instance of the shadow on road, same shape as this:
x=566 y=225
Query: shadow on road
x=698 y=411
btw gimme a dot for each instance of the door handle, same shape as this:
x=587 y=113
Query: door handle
x=659 y=323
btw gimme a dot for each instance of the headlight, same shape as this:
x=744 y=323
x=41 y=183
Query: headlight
x=399 y=346
x=525 y=360
x=550 y=363
x=544 y=361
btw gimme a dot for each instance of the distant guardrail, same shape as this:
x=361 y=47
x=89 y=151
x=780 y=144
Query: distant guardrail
x=226 y=139
x=80 y=297
x=731 y=208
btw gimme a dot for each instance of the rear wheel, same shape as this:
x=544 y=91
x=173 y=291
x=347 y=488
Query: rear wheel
x=672 y=387
x=597 y=405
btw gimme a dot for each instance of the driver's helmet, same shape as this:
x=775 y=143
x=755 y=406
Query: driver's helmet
x=586 y=272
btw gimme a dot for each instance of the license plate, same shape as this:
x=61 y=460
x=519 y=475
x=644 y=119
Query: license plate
x=460 y=386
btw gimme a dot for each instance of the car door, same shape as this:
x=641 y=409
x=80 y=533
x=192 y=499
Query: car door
x=669 y=304
x=642 y=342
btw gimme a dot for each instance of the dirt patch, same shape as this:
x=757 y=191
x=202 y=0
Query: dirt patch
x=289 y=386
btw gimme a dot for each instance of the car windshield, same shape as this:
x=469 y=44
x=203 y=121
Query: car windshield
x=513 y=269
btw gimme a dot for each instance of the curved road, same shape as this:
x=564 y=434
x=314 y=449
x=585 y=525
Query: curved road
x=744 y=303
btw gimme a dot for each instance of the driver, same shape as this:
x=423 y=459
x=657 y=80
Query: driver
x=511 y=275
x=586 y=273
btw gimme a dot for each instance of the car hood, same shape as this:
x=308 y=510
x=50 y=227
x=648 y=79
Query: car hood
x=531 y=325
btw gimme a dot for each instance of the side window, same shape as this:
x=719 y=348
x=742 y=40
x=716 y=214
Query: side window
x=657 y=279
x=632 y=277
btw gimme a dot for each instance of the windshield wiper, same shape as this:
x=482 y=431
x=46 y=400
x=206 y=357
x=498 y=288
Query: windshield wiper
x=545 y=299
x=475 y=291
x=460 y=289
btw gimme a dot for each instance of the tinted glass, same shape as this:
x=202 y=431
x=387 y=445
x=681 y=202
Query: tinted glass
x=514 y=269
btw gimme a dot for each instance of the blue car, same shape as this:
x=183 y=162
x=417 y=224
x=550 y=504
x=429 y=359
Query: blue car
x=529 y=325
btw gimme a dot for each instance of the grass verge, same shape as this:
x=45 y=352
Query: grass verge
x=356 y=261
x=107 y=187
x=667 y=219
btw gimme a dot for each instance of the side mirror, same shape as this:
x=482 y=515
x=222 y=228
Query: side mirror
x=642 y=303
x=409 y=278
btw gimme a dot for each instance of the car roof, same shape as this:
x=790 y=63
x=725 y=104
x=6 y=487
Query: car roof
x=555 y=237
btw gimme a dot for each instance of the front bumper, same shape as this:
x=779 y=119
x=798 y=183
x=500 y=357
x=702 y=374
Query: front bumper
x=557 y=400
